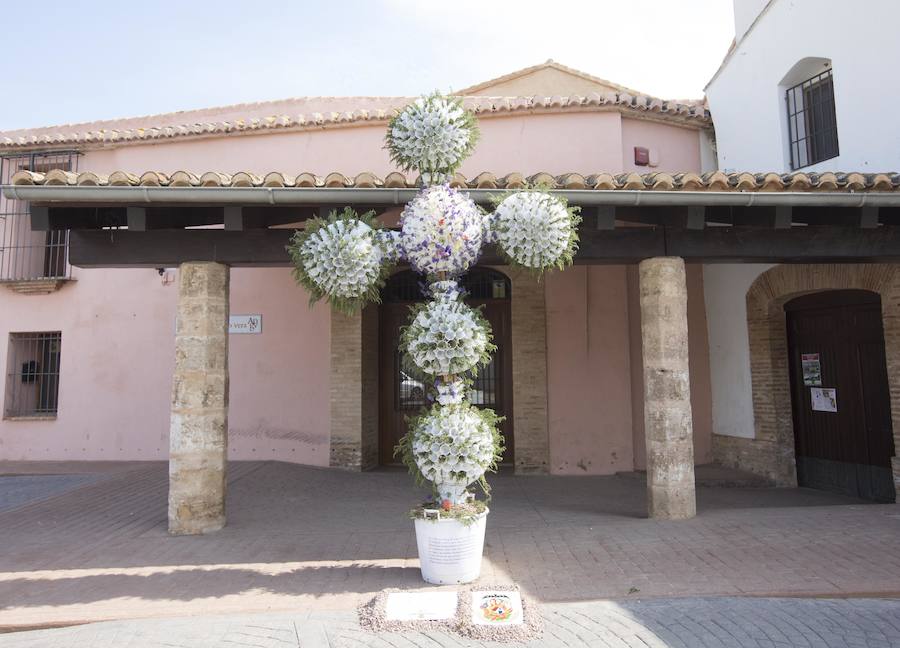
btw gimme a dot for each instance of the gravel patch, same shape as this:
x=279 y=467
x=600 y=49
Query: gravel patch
x=372 y=617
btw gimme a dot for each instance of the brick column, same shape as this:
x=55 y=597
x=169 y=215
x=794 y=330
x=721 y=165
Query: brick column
x=529 y=373
x=199 y=423
x=354 y=390
x=667 y=389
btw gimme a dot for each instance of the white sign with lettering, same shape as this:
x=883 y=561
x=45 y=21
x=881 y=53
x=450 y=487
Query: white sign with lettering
x=245 y=324
x=420 y=606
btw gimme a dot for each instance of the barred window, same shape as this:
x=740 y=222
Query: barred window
x=27 y=255
x=811 y=121
x=32 y=374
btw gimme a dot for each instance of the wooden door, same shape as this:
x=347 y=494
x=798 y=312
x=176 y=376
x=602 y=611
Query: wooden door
x=843 y=444
x=403 y=389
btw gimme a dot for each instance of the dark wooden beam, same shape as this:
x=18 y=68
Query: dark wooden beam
x=603 y=217
x=234 y=219
x=868 y=217
x=783 y=217
x=275 y=215
x=166 y=248
x=696 y=218
x=40 y=219
x=137 y=219
x=810 y=244
x=266 y=247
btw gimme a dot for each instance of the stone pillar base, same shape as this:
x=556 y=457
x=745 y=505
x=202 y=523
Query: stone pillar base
x=199 y=422
x=668 y=425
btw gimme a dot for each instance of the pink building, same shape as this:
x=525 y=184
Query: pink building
x=91 y=347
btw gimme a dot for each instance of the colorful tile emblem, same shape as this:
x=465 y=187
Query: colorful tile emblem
x=497 y=608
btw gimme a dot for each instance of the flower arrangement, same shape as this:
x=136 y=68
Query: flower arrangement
x=341 y=258
x=452 y=446
x=446 y=337
x=450 y=392
x=536 y=230
x=441 y=231
x=345 y=258
x=434 y=134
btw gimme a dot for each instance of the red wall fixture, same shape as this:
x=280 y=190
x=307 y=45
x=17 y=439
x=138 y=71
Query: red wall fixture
x=641 y=155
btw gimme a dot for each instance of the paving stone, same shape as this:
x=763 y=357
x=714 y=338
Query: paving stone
x=301 y=538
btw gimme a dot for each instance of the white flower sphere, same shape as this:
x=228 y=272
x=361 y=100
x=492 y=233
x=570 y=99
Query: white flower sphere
x=447 y=337
x=434 y=134
x=342 y=258
x=535 y=230
x=453 y=446
x=441 y=231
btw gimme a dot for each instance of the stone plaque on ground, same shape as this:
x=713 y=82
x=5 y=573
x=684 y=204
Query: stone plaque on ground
x=496 y=608
x=420 y=606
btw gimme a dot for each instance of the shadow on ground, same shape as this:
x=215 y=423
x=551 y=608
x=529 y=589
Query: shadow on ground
x=301 y=535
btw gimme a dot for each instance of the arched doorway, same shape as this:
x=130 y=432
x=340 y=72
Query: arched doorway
x=403 y=388
x=840 y=398
x=770 y=451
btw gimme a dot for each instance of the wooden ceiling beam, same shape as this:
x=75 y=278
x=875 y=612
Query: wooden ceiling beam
x=266 y=247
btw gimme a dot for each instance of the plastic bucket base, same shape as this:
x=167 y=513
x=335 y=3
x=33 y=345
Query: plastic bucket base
x=450 y=551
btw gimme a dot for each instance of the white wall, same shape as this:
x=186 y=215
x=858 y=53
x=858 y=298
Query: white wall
x=708 y=160
x=725 y=292
x=745 y=12
x=748 y=106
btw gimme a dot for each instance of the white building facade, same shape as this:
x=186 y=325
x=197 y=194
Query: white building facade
x=782 y=44
x=801 y=91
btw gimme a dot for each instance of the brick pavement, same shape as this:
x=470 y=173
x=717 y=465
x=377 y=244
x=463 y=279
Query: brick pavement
x=301 y=538
x=661 y=623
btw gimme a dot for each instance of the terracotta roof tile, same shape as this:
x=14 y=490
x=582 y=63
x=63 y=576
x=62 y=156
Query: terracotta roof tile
x=103 y=134
x=713 y=181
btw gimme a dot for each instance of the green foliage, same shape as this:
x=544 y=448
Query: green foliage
x=466 y=514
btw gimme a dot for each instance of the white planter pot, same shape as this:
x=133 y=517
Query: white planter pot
x=450 y=551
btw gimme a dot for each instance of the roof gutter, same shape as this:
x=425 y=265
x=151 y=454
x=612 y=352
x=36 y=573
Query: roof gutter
x=387 y=196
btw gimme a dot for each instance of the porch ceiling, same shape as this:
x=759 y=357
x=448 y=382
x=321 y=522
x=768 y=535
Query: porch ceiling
x=713 y=217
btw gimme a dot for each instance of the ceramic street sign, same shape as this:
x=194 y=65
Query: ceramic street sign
x=496 y=608
x=420 y=606
x=245 y=324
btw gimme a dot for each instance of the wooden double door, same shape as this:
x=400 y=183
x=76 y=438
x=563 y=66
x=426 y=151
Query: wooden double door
x=839 y=392
x=403 y=388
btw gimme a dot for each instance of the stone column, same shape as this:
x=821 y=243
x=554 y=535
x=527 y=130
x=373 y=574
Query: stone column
x=199 y=423
x=668 y=427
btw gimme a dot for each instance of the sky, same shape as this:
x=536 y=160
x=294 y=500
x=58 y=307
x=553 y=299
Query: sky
x=69 y=62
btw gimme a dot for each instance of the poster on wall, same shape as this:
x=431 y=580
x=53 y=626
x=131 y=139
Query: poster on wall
x=823 y=400
x=812 y=369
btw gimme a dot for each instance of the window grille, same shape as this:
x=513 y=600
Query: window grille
x=25 y=254
x=811 y=121
x=411 y=384
x=479 y=283
x=32 y=375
